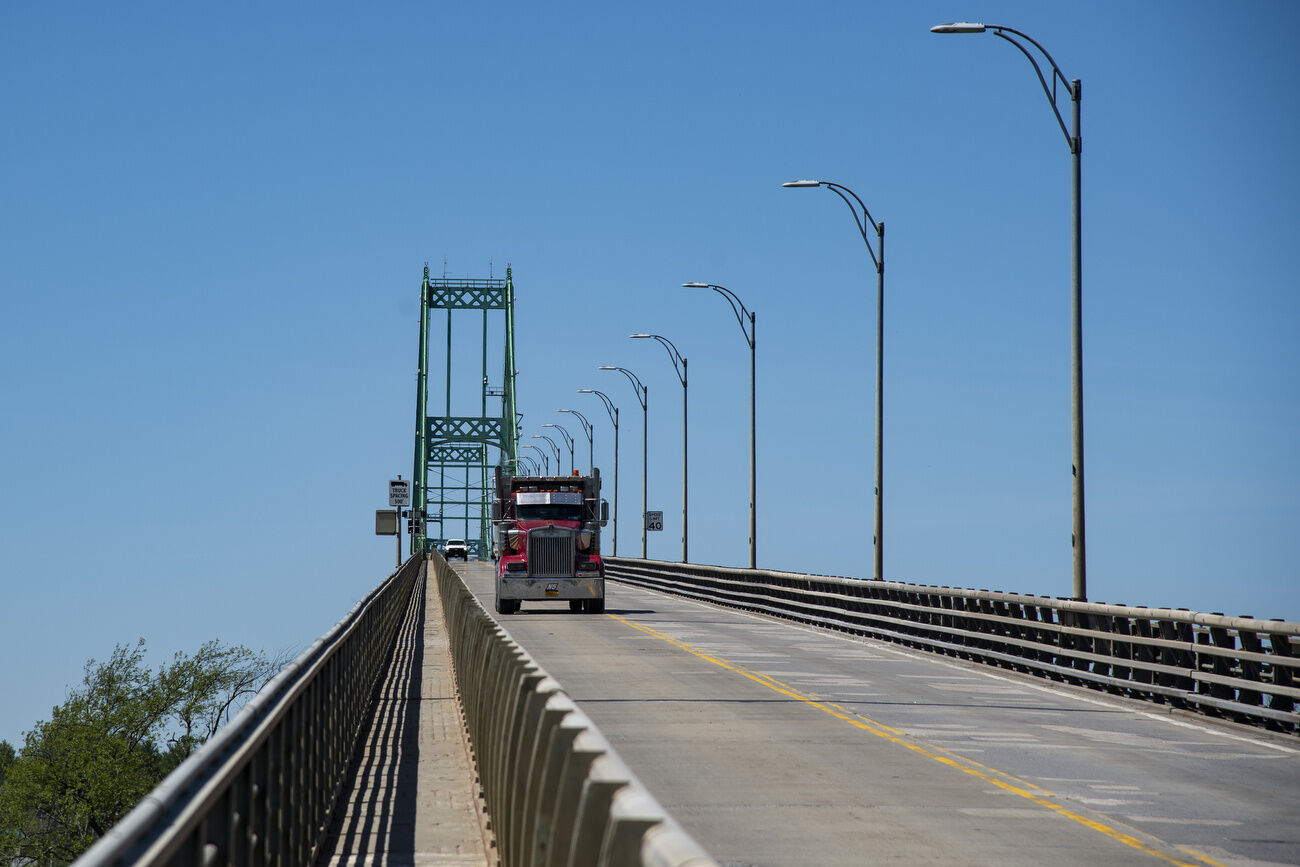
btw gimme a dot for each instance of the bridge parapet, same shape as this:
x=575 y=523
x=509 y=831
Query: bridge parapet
x=1241 y=668
x=557 y=792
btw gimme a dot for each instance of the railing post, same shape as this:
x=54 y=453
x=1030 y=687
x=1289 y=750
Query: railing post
x=1281 y=673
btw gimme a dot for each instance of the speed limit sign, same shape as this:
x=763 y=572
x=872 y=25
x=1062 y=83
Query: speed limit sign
x=654 y=520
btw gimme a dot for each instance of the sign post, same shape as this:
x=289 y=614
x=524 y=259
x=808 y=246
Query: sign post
x=399 y=496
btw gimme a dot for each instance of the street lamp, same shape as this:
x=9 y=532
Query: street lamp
x=864 y=219
x=679 y=366
x=568 y=439
x=738 y=307
x=559 y=468
x=1074 y=141
x=546 y=459
x=643 y=397
x=590 y=431
x=613 y=417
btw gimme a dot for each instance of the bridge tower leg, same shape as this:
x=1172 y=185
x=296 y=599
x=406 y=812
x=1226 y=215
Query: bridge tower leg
x=453 y=451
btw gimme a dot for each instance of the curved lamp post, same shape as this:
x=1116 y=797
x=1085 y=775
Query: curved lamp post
x=568 y=440
x=559 y=467
x=679 y=366
x=863 y=218
x=546 y=459
x=643 y=397
x=591 y=438
x=738 y=307
x=613 y=417
x=1074 y=141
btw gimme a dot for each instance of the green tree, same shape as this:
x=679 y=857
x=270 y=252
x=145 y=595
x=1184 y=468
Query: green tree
x=203 y=689
x=112 y=741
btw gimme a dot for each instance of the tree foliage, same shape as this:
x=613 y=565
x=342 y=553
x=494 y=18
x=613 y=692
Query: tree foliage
x=112 y=741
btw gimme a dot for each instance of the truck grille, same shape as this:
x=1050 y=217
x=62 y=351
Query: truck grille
x=551 y=553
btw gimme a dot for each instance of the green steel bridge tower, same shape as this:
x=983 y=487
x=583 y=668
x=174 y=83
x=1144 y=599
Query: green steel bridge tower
x=453 y=453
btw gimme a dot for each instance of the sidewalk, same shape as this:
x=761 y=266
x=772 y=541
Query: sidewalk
x=412 y=799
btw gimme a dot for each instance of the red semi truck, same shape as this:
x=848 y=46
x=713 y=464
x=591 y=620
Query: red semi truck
x=546 y=538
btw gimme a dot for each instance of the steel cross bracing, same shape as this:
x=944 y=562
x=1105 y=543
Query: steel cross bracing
x=453 y=452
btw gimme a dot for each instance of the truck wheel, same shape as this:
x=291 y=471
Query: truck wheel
x=576 y=605
x=596 y=606
x=507 y=606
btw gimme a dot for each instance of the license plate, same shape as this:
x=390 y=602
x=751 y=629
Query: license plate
x=552 y=589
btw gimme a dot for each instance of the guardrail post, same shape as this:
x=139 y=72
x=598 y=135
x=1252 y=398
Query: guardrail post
x=1122 y=649
x=1186 y=654
x=1220 y=665
x=1102 y=645
x=1250 y=669
x=1281 y=673
x=1146 y=654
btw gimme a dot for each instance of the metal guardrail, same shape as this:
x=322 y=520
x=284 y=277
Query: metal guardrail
x=1240 y=668
x=261 y=790
x=556 y=791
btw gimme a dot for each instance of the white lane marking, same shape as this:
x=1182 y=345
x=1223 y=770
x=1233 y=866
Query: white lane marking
x=980 y=688
x=1220 y=823
x=937 y=660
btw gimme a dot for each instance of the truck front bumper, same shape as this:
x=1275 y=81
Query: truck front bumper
x=522 y=587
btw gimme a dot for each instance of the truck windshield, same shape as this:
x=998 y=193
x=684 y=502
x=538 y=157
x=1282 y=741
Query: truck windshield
x=550 y=512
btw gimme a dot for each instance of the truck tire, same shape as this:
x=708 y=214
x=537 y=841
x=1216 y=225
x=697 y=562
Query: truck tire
x=507 y=606
x=596 y=606
x=576 y=605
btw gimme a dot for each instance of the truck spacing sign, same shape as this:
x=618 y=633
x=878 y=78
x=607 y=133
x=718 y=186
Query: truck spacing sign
x=399 y=492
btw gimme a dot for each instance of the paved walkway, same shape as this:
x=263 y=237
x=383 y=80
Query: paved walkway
x=412 y=799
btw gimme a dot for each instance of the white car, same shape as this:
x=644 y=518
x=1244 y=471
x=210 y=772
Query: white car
x=456 y=548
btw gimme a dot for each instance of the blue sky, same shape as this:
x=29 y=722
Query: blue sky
x=216 y=219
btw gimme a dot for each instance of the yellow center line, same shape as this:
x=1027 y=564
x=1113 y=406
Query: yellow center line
x=966 y=766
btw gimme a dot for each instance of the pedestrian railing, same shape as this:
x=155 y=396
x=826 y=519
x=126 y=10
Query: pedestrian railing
x=556 y=792
x=261 y=790
x=1237 y=667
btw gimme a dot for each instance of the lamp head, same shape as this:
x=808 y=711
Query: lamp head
x=695 y=285
x=802 y=184
x=958 y=27
x=640 y=335
x=607 y=367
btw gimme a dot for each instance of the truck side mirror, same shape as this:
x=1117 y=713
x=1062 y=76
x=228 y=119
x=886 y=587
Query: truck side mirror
x=604 y=512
